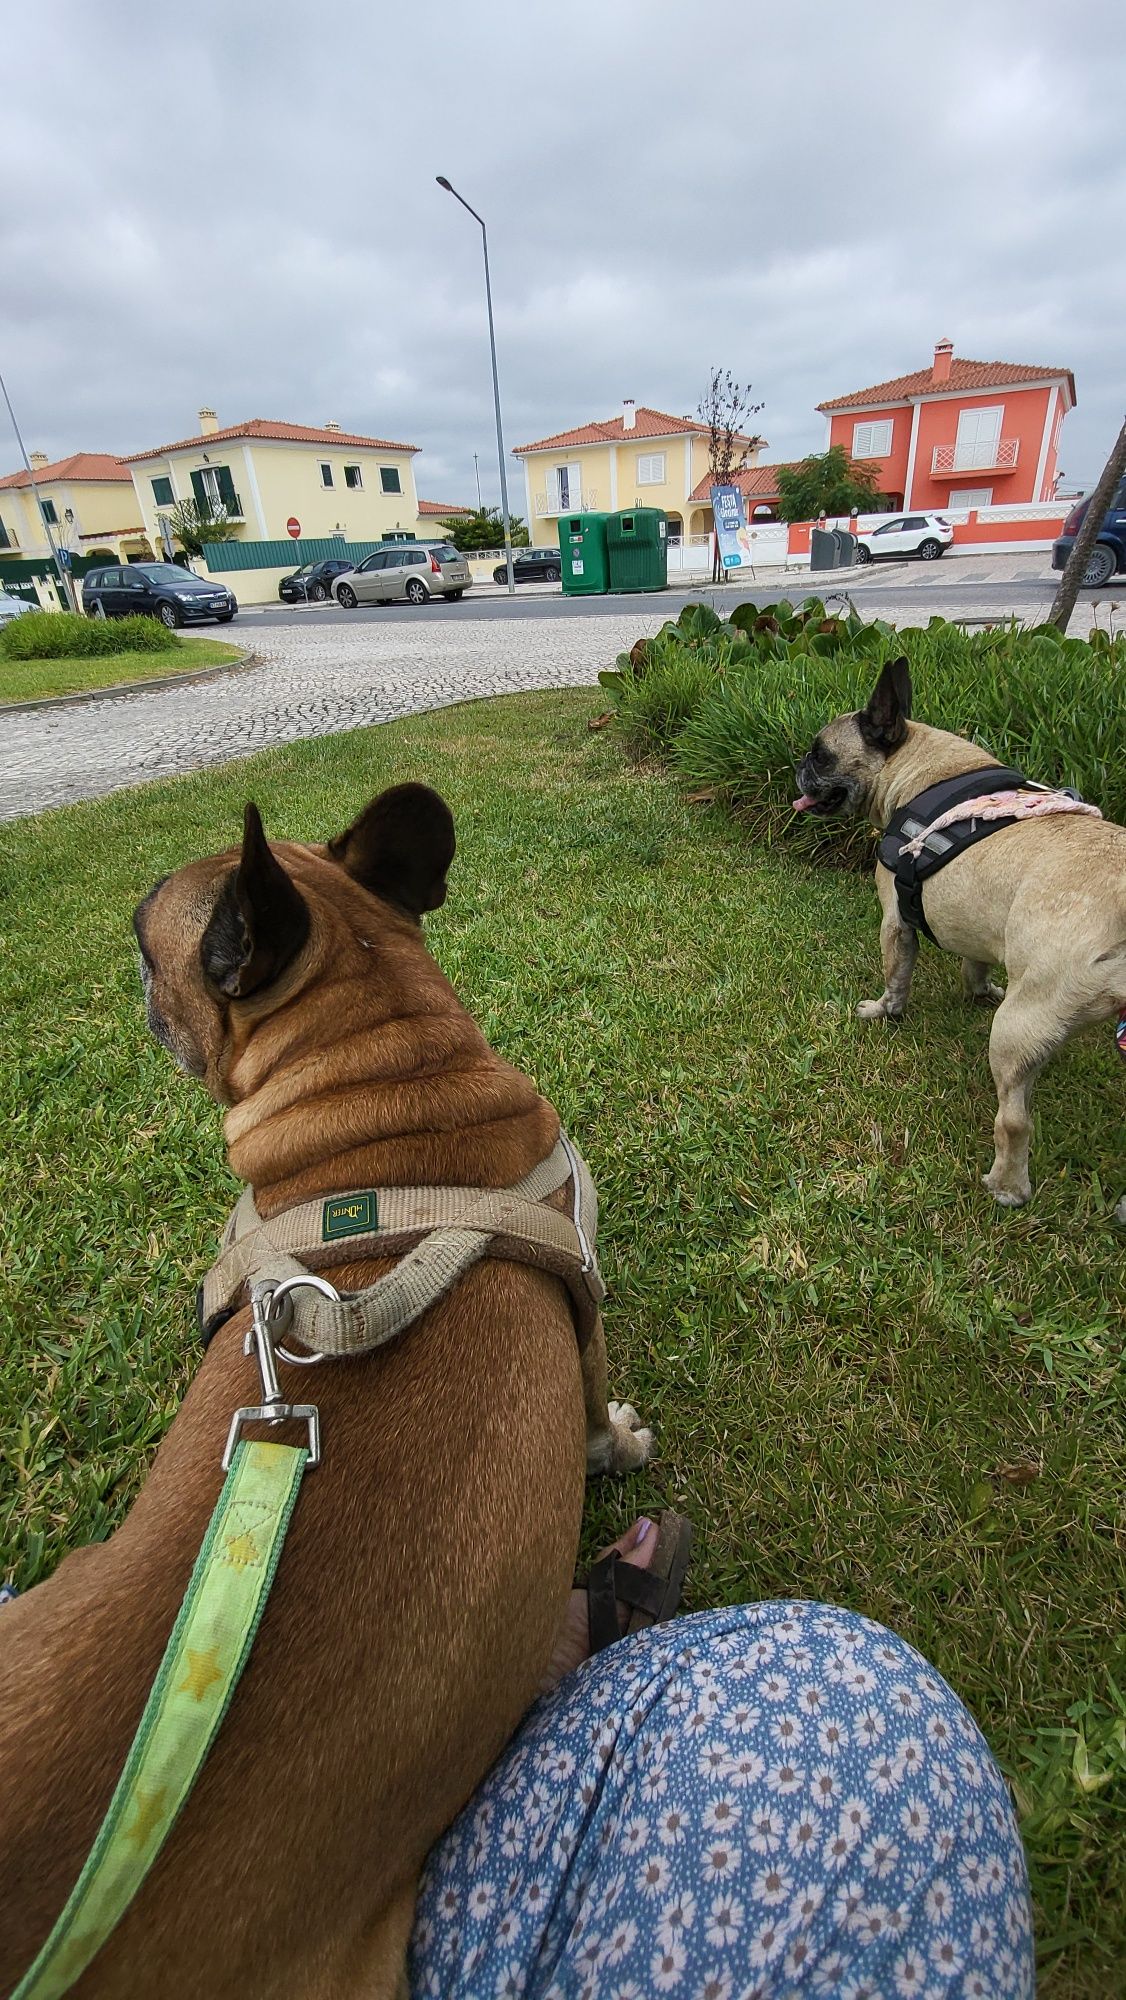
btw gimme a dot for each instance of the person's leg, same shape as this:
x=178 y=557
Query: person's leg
x=765 y=1801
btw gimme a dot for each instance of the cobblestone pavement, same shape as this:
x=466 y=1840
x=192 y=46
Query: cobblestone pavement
x=310 y=681
x=320 y=674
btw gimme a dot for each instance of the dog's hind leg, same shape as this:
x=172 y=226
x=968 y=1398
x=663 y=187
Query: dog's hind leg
x=1027 y=1029
x=899 y=948
x=976 y=983
x=615 y=1440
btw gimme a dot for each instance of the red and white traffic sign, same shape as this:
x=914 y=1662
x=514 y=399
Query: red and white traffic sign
x=293 y=526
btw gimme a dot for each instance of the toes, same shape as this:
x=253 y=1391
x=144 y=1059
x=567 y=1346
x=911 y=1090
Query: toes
x=624 y=1413
x=1120 y=1211
x=1006 y=1197
x=870 y=1010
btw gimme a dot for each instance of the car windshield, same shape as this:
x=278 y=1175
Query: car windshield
x=306 y=569
x=445 y=551
x=166 y=573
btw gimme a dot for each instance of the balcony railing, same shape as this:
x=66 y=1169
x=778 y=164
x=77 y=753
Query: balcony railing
x=547 y=504
x=988 y=455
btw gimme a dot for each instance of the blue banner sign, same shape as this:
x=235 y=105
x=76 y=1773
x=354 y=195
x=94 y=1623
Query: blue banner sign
x=731 y=527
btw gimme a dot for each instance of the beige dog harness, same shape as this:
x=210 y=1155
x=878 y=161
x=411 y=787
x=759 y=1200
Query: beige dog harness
x=438 y=1233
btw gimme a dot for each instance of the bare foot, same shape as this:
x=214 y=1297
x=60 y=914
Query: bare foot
x=572 y=1644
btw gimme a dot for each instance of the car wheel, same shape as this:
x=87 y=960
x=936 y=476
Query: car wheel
x=863 y=555
x=170 y=615
x=347 y=597
x=454 y=596
x=1100 y=566
x=500 y=576
x=929 y=550
x=224 y=618
x=99 y=610
x=417 y=592
x=551 y=576
x=318 y=593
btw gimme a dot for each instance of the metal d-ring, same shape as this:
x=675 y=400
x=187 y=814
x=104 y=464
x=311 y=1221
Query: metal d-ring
x=273 y=1409
x=291 y=1285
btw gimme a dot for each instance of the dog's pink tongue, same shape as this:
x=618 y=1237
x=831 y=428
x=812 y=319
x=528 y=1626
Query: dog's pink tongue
x=803 y=804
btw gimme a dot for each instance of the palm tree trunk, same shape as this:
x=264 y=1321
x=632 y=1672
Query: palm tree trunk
x=1063 y=603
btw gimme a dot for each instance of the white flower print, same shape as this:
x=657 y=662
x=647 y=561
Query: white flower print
x=725 y=1920
x=654 y=1783
x=995 y=1878
x=512 y=1836
x=879 y=1857
x=717 y=1985
x=884 y=1774
x=634 y=1834
x=620 y=1943
x=947 y=1955
x=771 y=1886
x=720 y=1860
x=856 y=1817
x=722 y=1815
x=833 y=1737
x=971 y=1821
x=915 y=1818
x=787 y=1732
x=811 y=1699
x=765 y=1830
x=798 y=1656
x=627 y=1989
x=767 y=1943
x=803 y=1835
x=938 y=1901
x=938 y=1731
x=511 y=1980
x=837 y=1851
x=536 y=1895
x=848 y=1902
x=909 y=1973
x=829 y=1974
x=672 y=1827
x=742 y=1718
x=761 y=1652
x=794 y=1962
x=976 y=1986
x=943 y=1844
x=870 y=1726
x=806 y=1903
x=654 y=1875
x=910 y=1754
x=666 y=1968
x=744 y=1768
x=860 y=1987
x=983 y=1934
x=823 y=1789
x=508 y=1928
x=677 y=1918
x=940 y=1784
x=971 y=1874
x=774 y=1686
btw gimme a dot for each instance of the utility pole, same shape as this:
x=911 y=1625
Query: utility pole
x=477 y=470
x=450 y=189
x=65 y=584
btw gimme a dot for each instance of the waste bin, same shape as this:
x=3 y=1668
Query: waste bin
x=583 y=557
x=846 y=548
x=824 y=550
x=638 y=541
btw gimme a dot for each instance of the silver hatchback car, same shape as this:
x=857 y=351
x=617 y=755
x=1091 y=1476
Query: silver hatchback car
x=417 y=571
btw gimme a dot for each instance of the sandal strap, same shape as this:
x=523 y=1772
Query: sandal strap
x=602 y=1602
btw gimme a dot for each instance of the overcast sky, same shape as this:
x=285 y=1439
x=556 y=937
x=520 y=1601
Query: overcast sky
x=236 y=206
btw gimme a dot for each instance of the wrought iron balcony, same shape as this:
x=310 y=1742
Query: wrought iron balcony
x=988 y=455
x=547 y=504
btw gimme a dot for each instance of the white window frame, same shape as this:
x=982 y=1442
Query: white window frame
x=872 y=438
x=646 y=475
x=355 y=485
x=970 y=496
x=326 y=467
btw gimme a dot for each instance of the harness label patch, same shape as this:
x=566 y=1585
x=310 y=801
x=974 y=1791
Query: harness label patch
x=349 y=1215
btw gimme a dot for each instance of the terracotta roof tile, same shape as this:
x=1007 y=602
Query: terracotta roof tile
x=262 y=427
x=647 y=424
x=443 y=513
x=99 y=465
x=965 y=375
x=755 y=482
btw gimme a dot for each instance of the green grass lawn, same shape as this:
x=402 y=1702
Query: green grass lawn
x=31 y=680
x=869 y=1385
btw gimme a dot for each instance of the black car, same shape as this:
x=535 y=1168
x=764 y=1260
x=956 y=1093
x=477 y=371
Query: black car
x=530 y=566
x=156 y=590
x=313 y=581
x=1109 y=552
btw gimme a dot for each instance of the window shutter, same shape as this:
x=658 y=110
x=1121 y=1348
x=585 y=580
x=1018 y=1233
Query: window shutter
x=228 y=498
x=200 y=491
x=575 y=483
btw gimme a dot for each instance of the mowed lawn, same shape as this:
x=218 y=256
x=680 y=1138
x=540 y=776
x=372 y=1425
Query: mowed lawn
x=35 y=680
x=869 y=1385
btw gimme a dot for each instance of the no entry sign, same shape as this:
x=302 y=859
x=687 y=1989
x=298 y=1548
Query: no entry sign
x=293 y=526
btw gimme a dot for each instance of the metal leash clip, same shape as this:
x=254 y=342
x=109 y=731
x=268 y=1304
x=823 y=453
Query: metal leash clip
x=266 y=1302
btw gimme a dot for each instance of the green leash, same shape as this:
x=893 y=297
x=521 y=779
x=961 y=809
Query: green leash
x=204 y=1657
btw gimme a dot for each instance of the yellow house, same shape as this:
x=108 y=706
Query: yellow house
x=431 y=514
x=282 y=481
x=88 y=499
x=644 y=458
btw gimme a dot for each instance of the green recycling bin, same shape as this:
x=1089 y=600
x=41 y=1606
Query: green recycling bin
x=638 y=541
x=583 y=557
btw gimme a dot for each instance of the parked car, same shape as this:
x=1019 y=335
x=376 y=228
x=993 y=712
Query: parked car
x=1109 y=552
x=156 y=590
x=313 y=582
x=12 y=607
x=530 y=566
x=414 y=570
x=924 y=535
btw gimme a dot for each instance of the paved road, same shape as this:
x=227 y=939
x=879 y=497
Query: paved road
x=321 y=670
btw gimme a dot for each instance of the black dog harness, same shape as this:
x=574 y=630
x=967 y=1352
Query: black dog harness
x=912 y=870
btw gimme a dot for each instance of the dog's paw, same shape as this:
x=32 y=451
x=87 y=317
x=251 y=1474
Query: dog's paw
x=989 y=995
x=1004 y=1195
x=1120 y=1211
x=622 y=1448
x=872 y=1010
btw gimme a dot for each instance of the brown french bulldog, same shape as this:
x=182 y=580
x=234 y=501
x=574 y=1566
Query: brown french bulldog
x=430 y=1557
x=1046 y=898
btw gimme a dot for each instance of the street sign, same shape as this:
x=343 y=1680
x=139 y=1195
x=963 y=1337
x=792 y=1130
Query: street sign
x=731 y=527
x=293 y=526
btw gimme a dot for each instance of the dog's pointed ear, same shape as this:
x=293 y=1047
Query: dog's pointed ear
x=883 y=724
x=400 y=847
x=260 y=920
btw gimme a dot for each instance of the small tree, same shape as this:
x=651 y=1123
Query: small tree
x=1064 y=602
x=194 y=524
x=827 y=483
x=484 y=530
x=725 y=408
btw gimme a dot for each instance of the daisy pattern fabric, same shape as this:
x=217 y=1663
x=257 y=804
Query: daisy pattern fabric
x=772 y=1802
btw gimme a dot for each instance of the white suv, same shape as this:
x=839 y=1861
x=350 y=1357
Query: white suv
x=924 y=535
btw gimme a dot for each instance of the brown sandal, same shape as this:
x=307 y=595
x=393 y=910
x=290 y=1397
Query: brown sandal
x=652 y=1593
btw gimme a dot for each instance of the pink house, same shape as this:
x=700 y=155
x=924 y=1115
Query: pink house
x=959 y=433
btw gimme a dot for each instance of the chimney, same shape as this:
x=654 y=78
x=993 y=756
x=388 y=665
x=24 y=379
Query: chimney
x=629 y=414
x=208 y=421
x=943 y=357
x=331 y=426
x=38 y=460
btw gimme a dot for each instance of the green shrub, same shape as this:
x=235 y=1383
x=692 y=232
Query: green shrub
x=67 y=635
x=733 y=704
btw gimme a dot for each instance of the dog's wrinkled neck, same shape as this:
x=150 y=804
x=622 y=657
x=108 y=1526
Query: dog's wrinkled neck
x=927 y=756
x=375 y=1074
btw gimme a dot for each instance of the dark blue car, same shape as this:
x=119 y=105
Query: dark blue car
x=1109 y=552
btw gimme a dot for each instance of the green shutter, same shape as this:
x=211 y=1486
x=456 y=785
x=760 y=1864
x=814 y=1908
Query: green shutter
x=162 y=492
x=5 y=539
x=389 y=479
x=228 y=498
x=200 y=491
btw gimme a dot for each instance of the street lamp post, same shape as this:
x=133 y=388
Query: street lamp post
x=450 y=189
x=65 y=585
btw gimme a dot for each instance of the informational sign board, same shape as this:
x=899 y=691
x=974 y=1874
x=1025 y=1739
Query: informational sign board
x=731 y=527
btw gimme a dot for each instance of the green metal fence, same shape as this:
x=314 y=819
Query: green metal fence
x=286 y=554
